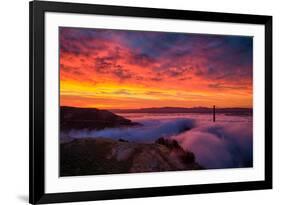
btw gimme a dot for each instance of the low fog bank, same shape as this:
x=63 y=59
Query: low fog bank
x=149 y=132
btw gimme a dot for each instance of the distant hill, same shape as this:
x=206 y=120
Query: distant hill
x=230 y=111
x=91 y=119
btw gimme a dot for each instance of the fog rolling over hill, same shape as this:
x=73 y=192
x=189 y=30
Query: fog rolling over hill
x=86 y=150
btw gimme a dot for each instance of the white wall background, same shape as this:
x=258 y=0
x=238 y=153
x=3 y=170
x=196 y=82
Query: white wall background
x=14 y=100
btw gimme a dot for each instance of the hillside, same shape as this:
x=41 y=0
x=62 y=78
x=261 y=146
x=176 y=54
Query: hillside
x=90 y=156
x=91 y=119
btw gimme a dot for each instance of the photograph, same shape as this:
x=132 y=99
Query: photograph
x=133 y=101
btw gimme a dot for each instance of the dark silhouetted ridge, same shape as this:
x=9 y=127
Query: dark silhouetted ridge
x=91 y=119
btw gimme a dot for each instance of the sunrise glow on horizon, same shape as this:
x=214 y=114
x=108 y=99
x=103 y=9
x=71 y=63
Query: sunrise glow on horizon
x=116 y=69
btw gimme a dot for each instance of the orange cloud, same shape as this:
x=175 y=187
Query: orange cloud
x=120 y=69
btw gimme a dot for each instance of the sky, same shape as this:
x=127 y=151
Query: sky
x=120 y=69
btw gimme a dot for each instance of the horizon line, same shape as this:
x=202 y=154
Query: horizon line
x=211 y=107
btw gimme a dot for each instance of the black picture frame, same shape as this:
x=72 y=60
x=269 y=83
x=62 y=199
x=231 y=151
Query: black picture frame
x=37 y=194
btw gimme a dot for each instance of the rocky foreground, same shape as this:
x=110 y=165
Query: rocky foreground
x=91 y=156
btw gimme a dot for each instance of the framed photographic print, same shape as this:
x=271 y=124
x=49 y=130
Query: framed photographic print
x=140 y=102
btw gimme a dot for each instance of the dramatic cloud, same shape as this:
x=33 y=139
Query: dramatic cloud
x=174 y=66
